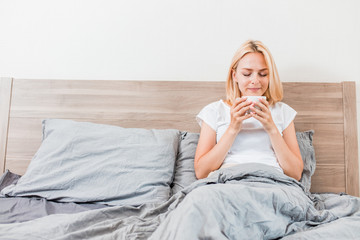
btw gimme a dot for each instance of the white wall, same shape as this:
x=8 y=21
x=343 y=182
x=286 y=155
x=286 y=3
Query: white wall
x=177 y=40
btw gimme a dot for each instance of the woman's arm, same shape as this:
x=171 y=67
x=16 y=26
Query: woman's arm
x=210 y=155
x=285 y=147
x=287 y=151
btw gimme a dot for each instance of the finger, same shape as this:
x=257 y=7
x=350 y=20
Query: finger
x=238 y=101
x=265 y=102
x=235 y=103
x=257 y=117
x=258 y=112
x=242 y=105
x=261 y=105
x=234 y=106
x=246 y=116
x=242 y=112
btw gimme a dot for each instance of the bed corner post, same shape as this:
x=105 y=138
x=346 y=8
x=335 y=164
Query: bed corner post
x=351 y=140
x=5 y=100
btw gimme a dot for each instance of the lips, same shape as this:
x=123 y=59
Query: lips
x=254 y=89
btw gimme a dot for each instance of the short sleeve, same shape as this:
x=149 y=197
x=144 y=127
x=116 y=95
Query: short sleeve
x=289 y=115
x=209 y=115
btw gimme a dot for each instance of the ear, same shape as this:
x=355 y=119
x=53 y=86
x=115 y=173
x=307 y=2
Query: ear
x=234 y=76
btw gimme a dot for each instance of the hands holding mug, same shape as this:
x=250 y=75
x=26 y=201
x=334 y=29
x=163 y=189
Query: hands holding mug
x=251 y=106
x=261 y=112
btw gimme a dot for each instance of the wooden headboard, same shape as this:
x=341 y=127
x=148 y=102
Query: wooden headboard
x=328 y=108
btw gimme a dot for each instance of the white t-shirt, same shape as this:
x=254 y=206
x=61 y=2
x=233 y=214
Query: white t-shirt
x=252 y=144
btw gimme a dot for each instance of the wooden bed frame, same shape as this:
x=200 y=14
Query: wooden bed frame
x=328 y=108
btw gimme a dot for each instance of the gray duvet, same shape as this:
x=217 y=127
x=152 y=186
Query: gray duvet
x=245 y=202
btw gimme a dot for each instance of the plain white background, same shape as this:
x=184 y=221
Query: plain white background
x=316 y=41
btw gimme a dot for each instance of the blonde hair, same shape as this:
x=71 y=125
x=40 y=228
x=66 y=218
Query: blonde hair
x=274 y=92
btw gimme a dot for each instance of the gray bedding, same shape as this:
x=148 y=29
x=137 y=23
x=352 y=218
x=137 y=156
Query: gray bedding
x=21 y=209
x=89 y=162
x=245 y=202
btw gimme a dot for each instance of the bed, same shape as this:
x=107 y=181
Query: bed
x=114 y=160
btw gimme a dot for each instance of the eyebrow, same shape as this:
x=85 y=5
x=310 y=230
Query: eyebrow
x=250 y=69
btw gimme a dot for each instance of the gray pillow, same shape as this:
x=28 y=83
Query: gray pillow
x=184 y=166
x=305 y=141
x=185 y=173
x=88 y=162
x=8 y=178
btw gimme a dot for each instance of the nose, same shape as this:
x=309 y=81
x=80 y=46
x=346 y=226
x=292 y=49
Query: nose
x=254 y=79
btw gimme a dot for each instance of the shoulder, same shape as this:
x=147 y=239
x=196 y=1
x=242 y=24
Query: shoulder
x=283 y=115
x=282 y=107
x=210 y=113
x=215 y=106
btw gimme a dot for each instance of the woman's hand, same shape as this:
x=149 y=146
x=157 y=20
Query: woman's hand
x=238 y=113
x=263 y=115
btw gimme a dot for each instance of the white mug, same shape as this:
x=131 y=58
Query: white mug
x=254 y=99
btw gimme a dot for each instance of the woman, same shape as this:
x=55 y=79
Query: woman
x=238 y=131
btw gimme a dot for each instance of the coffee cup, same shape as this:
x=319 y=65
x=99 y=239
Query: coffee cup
x=254 y=99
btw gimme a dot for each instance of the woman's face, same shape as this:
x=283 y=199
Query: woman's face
x=252 y=75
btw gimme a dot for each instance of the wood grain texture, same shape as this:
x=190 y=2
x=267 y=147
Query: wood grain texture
x=315 y=102
x=5 y=99
x=351 y=141
x=328 y=141
x=329 y=178
x=167 y=104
